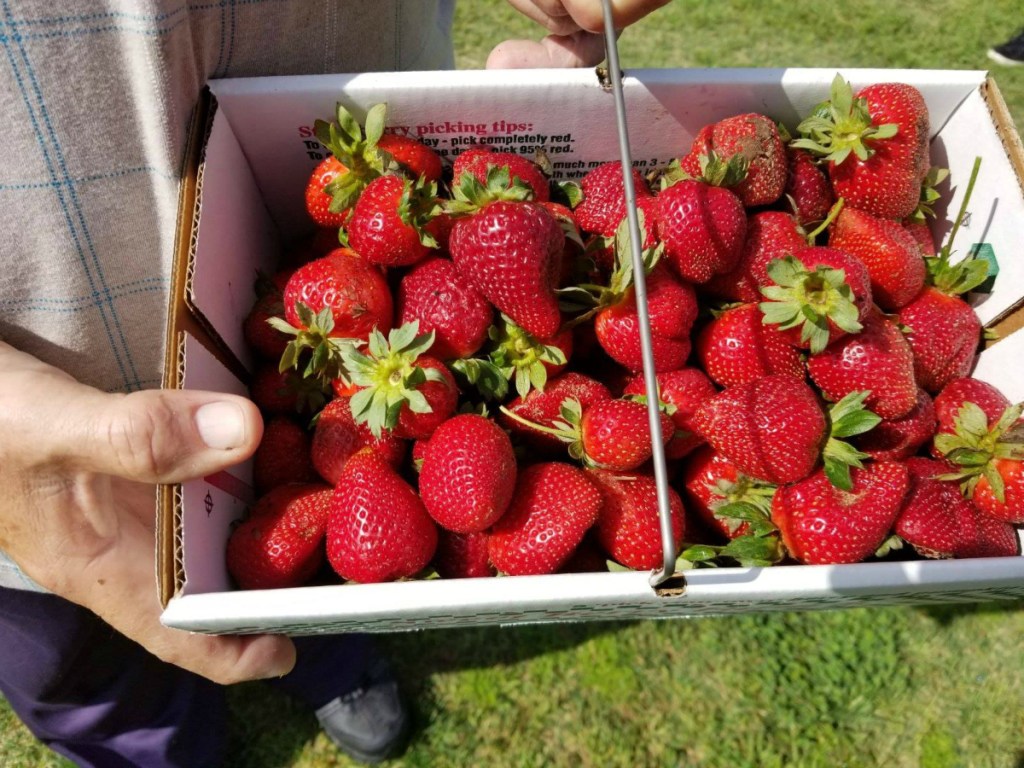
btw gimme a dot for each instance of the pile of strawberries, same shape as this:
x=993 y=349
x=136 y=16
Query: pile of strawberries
x=452 y=380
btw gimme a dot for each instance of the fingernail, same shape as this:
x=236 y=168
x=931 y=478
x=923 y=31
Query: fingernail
x=221 y=425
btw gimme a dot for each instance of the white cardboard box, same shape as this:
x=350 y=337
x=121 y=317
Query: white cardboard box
x=252 y=154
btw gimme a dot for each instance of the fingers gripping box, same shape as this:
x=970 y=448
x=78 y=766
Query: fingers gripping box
x=253 y=151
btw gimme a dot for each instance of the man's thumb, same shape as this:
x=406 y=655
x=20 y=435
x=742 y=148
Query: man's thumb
x=167 y=436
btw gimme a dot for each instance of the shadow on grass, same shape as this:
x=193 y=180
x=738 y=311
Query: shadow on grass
x=948 y=613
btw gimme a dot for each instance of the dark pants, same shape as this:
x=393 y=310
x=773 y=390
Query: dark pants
x=102 y=700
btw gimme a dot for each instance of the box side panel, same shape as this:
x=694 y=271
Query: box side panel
x=594 y=597
x=210 y=505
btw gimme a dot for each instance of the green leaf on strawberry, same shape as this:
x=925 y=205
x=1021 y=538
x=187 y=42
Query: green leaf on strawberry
x=356 y=150
x=848 y=417
x=326 y=359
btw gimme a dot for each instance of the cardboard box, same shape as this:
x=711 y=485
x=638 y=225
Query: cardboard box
x=251 y=157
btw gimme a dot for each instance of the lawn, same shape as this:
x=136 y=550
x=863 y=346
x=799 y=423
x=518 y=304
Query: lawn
x=937 y=687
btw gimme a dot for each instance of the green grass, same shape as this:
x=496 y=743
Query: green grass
x=894 y=687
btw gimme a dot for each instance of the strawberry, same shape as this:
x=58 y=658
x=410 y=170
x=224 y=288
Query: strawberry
x=628 y=525
x=922 y=234
x=737 y=347
x=402 y=389
x=702 y=227
x=468 y=473
x=771 y=428
x=462 y=555
x=274 y=391
x=713 y=487
x=390 y=221
x=754 y=140
x=604 y=198
x=544 y=408
x=355 y=160
x=878 y=359
x=890 y=254
x=509 y=249
x=588 y=557
x=994 y=538
x=935 y=519
x=337 y=436
x=443 y=302
x=985 y=449
x=876 y=144
x=553 y=506
x=281 y=543
x=377 y=529
x=283 y=456
x=268 y=342
x=478 y=162
x=682 y=391
x=770 y=235
x=817 y=295
x=672 y=306
x=943 y=330
x=807 y=187
x=600 y=249
x=327 y=303
x=959 y=393
x=895 y=439
x=821 y=523
x=415 y=157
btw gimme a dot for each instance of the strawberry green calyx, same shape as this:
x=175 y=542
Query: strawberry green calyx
x=841 y=126
x=568 y=429
x=327 y=359
x=745 y=503
x=975 y=448
x=969 y=272
x=418 y=206
x=929 y=194
x=470 y=195
x=713 y=170
x=389 y=376
x=848 y=417
x=521 y=357
x=356 y=150
x=809 y=299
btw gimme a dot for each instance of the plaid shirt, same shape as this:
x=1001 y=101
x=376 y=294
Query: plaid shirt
x=95 y=100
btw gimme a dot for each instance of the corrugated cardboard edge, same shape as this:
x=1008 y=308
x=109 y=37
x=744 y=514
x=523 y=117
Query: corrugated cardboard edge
x=170 y=573
x=1013 y=319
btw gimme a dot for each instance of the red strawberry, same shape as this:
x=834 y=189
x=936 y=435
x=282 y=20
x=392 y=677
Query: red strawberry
x=772 y=428
x=895 y=439
x=711 y=483
x=553 y=506
x=878 y=359
x=737 y=347
x=511 y=252
x=544 y=408
x=265 y=340
x=770 y=235
x=601 y=248
x=588 y=557
x=876 y=143
x=337 y=436
x=479 y=161
x=389 y=222
x=616 y=434
x=994 y=539
x=922 y=233
x=808 y=188
x=378 y=529
x=816 y=296
x=823 y=524
x=283 y=456
x=435 y=294
x=355 y=160
x=462 y=555
x=943 y=329
x=890 y=253
x=413 y=155
x=281 y=543
x=468 y=473
x=958 y=393
x=628 y=526
x=702 y=227
x=683 y=391
x=274 y=392
x=402 y=388
x=604 y=202
x=754 y=140
x=672 y=307
x=935 y=519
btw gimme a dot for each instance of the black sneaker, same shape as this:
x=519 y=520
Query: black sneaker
x=370 y=723
x=1010 y=53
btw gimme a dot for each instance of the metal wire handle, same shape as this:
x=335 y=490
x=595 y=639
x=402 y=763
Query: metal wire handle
x=640 y=290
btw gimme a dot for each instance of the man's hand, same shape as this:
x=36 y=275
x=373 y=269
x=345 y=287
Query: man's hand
x=576 y=32
x=78 y=501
